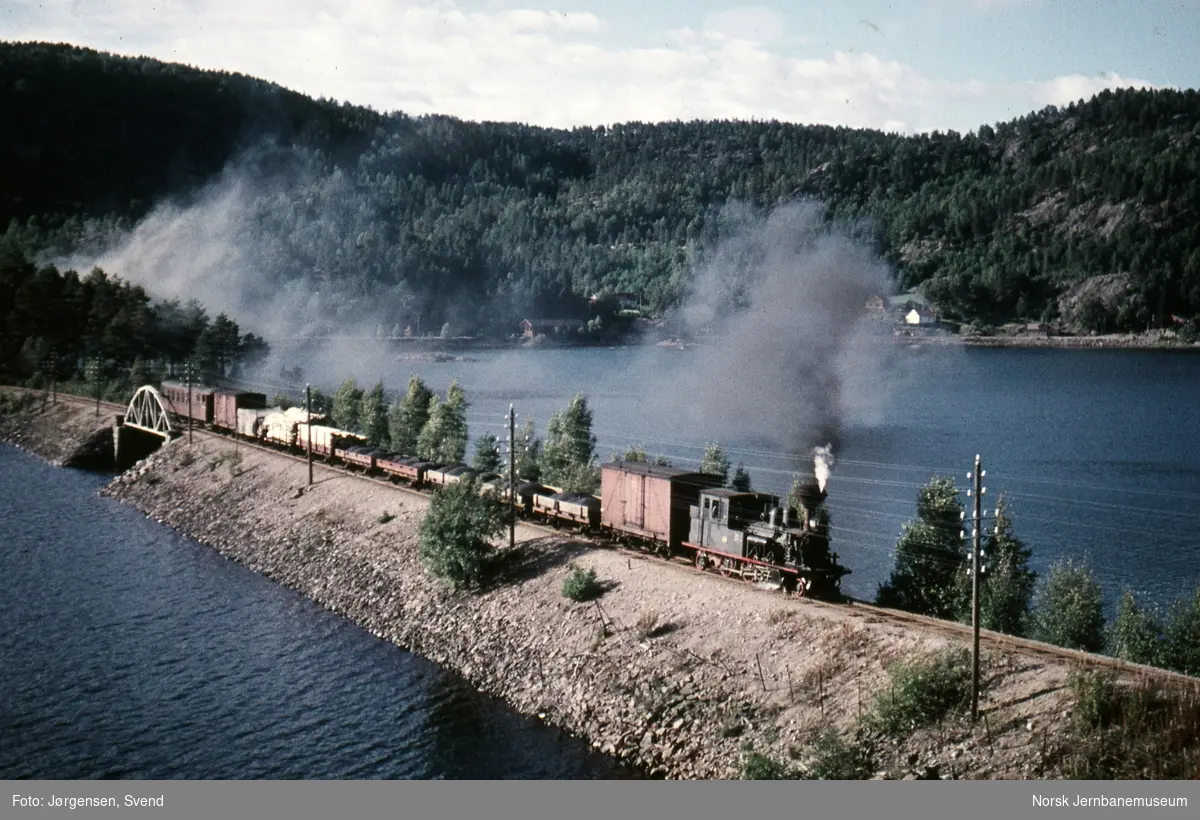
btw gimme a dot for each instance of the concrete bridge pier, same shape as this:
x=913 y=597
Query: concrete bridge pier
x=131 y=445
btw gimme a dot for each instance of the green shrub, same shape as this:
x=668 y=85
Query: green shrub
x=456 y=531
x=923 y=691
x=581 y=585
x=1070 y=608
x=761 y=767
x=835 y=759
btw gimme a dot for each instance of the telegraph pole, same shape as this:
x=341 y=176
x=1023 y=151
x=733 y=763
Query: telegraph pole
x=977 y=475
x=512 y=476
x=308 y=418
x=189 y=385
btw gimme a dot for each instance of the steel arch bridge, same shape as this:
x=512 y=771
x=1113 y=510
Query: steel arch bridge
x=149 y=412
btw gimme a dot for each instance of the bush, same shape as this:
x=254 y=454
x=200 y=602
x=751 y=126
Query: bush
x=761 y=767
x=581 y=585
x=835 y=759
x=456 y=531
x=1070 y=608
x=923 y=691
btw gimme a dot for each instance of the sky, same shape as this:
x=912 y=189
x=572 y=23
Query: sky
x=913 y=66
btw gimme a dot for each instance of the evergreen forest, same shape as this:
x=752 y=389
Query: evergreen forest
x=1087 y=216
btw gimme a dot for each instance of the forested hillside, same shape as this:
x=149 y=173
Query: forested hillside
x=407 y=221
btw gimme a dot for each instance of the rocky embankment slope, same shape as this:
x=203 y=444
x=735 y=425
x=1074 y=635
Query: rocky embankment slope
x=678 y=673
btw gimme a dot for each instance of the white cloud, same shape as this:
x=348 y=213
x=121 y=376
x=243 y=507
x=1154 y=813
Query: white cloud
x=544 y=67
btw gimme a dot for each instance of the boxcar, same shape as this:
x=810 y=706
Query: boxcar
x=650 y=502
x=226 y=404
x=201 y=401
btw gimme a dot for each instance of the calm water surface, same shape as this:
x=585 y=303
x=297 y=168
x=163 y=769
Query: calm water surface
x=131 y=652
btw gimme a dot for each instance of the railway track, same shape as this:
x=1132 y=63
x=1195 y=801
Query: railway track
x=859 y=608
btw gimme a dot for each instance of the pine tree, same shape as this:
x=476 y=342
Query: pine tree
x=1134 y=634
x=1181 y=636
x=408 y=417
x=715 y=462
x=741 y=479
x=930 y=556
x=569 y=457
x=487 y=454
x=1006 y=588
x=454 y=424
x=347 y=405
x=372 y=415
x=429 y=442
x=528 y=453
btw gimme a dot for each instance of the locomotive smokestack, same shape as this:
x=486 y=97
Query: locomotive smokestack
x=822 y=464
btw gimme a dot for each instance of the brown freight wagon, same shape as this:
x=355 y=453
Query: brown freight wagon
x=649 y=501
x=226 y=404
x=201 y=404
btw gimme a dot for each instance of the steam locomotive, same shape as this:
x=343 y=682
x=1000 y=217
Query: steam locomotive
x=669 y=511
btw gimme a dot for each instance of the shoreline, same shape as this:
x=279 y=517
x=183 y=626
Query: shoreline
x=674 y=673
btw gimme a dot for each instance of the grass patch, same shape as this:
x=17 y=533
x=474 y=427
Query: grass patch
x=922 y=692
x=385 y=518
x=581 y=584
x=1139 y=731
x=187 y=458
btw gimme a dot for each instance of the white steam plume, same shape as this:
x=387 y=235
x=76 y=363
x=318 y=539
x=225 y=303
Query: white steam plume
x=823 y=464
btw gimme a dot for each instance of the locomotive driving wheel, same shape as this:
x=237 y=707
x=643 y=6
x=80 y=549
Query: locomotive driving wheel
x=727 y=568
x=701 y=560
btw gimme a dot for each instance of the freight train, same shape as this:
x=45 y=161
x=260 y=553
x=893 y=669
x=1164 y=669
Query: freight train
x=747 y=535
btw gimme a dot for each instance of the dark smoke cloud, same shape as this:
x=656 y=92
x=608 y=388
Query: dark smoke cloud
x=788 y=352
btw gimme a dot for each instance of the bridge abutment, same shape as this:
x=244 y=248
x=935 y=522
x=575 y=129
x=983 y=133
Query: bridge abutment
x=131 y=445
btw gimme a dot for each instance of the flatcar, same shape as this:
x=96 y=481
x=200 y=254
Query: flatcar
x=573 y=508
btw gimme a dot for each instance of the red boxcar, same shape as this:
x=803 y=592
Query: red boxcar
x=649 y=501
x=226 y=403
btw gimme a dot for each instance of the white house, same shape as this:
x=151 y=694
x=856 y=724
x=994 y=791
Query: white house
x=920 y=315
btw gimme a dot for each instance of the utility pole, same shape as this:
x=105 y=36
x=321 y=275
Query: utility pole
x=189 y=385
x=977 y=475
x=308 y=426
x=512 y=477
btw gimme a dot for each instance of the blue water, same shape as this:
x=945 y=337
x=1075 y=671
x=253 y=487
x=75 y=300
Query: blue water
x=132 y=652
x=1097 y=452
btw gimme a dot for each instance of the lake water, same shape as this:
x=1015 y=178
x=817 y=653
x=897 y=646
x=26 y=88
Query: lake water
x=131 y=652
x=1097 y=452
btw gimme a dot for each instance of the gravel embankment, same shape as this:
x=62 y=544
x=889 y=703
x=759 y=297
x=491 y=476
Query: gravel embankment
x=675 y=672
